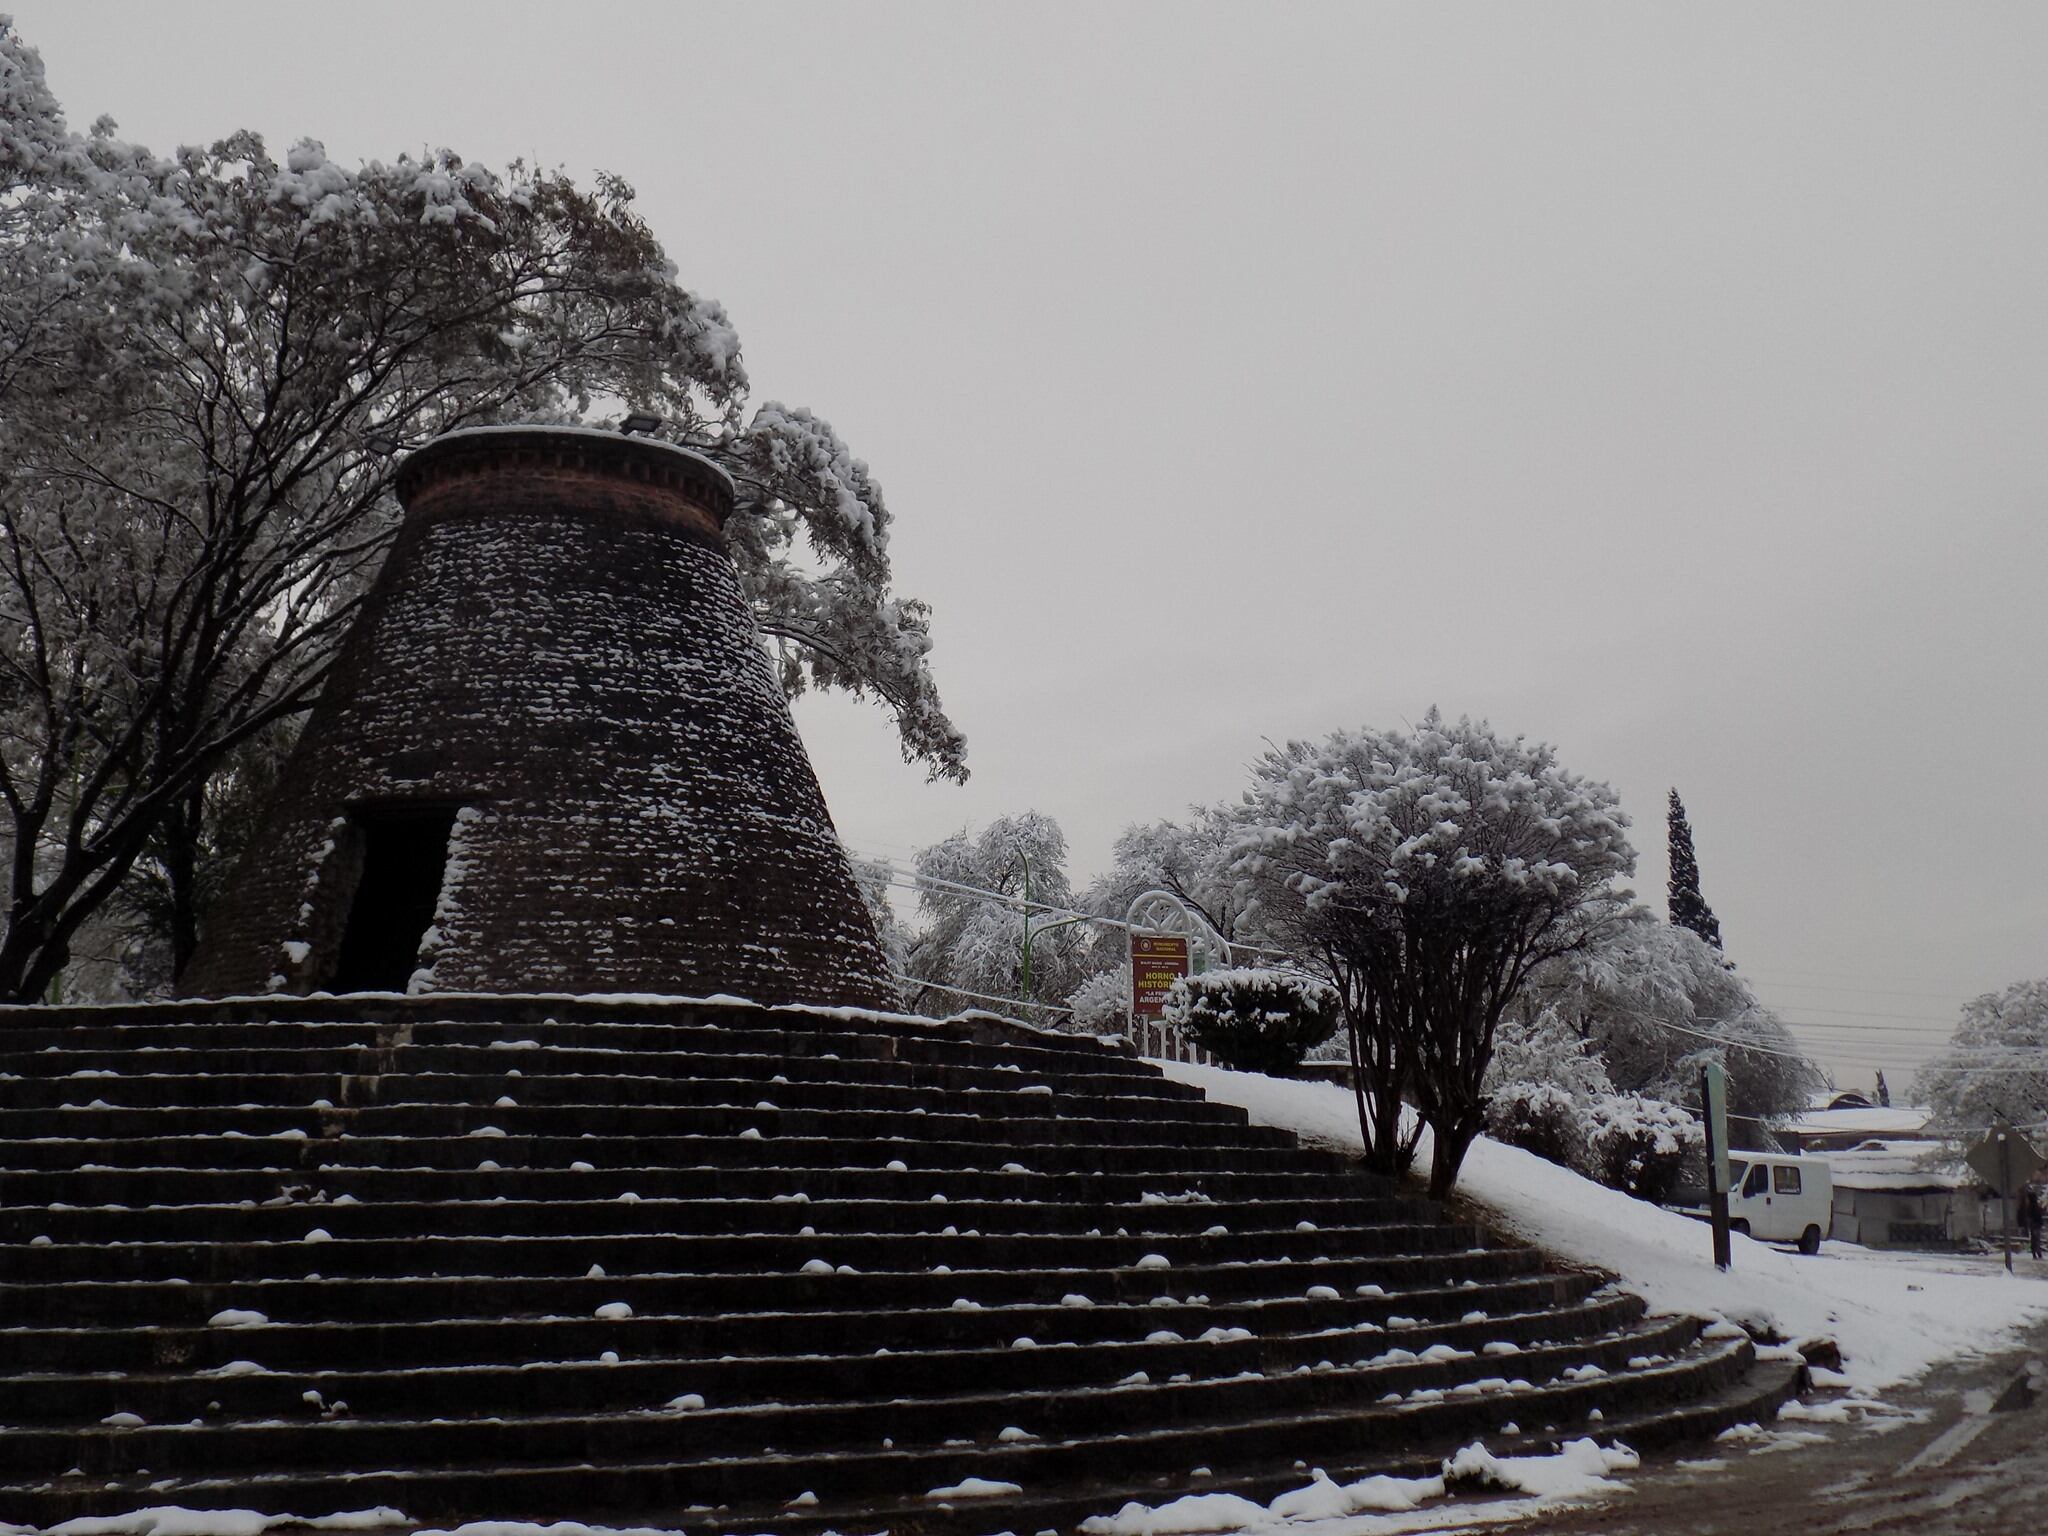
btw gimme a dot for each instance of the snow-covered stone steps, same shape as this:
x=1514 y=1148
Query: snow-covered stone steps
x=1408 y=1358
x=1059 y=1152
x=934 y=1412
x=1062 y=1506
x=1009 y=1118
x=301 y=1075
x=604 y=1170
x=989 y=1092
x=109 y=1106
x=286 y=1220
x=185 y=1300
x=1523 y=1308
x=612 y=1259
x=964 y=1250
x=626 y=1463
x=225 y=1383
x=651 y=1027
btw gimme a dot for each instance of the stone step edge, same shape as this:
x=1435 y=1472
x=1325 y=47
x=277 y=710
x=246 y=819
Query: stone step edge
x=297 y=1245
x=1758 y=1395
x=974 y=1026
x=284 y=1485
x=787 y=1418
x=1420 y=1334
x=173 y=1334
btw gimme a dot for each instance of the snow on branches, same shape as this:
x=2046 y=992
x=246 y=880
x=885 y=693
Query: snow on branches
x=1995 y=1066
x=208 y=363
x=976 y=943
x=1429 y=873
x=1655 y=1003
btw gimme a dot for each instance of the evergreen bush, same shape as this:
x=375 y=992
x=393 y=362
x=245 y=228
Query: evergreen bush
x=1642 y=1146
x=1252 y=1018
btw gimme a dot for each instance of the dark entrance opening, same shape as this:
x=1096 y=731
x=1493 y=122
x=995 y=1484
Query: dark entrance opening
x=405 y=854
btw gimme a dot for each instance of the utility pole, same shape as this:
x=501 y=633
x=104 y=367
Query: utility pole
x=1714 y=1103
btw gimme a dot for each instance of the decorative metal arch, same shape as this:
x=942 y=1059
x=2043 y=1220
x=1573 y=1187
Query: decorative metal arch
x=1157 y=911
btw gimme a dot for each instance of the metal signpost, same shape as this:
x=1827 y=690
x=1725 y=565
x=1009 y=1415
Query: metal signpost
x=1714 y=1100
x=2005 y=1160
x=1169 y=939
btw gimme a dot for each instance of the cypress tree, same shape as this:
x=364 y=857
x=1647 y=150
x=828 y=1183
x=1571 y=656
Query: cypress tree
x=1688 y=908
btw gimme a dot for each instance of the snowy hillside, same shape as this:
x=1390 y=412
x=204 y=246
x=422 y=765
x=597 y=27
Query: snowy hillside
x=1893 y=1317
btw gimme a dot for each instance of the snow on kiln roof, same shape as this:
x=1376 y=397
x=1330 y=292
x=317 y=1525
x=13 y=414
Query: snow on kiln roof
x=1896 y=1166
x=1903 y=1120
x=606 y=434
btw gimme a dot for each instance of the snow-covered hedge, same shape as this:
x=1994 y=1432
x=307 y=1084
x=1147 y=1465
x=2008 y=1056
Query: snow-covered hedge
x=1253 y=1018
x=1642 y=1146
x=1541 y=1118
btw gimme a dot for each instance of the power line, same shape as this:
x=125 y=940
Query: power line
x=1864 y=1013
x=980 y=997
x=912 y=880
x=1816 y=986
x=1840 y=1039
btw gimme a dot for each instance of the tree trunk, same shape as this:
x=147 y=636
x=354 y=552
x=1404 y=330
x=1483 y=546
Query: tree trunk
x=1447 y=1154
x=1365 y=1137
x=178 y=842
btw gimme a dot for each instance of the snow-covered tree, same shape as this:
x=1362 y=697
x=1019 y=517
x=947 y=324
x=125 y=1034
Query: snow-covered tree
x=872 y=877
x=972 y=891
x=1191 y=859
x=1995 y=1066
x=207 y=362
x=1688 y=907
x=1101 y=1004
x=1427 y=874
x=1655 y=1003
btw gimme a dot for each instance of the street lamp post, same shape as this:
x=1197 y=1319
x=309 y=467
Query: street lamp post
x=1066 y=922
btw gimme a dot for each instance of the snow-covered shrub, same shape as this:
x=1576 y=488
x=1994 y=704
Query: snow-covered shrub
x=1540 y=1088
x=1642 y=1146
x=1252 y=1018
x=1541 y=1118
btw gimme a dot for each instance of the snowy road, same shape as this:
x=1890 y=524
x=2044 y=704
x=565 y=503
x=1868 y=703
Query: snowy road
x=1973 y=1463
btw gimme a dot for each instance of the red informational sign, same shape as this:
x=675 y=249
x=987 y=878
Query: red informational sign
x=1157 y=961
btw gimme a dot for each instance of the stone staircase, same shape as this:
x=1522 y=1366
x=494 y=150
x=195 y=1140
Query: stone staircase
x=719 y=1268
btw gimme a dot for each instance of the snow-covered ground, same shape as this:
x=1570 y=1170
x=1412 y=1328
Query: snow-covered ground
x=1894 y=1315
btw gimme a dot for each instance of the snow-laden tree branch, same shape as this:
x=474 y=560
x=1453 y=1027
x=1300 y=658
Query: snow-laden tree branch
x=1995 y=1065
x=203 y=360
x=1428 y=874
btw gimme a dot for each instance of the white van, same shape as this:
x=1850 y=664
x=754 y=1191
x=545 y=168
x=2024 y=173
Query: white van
x=1780 y=1198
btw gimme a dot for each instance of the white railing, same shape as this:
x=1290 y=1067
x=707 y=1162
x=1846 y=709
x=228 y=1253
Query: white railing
x=1165 y=1042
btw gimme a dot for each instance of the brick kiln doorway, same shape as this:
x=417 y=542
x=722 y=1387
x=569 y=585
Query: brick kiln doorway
x=405 y=858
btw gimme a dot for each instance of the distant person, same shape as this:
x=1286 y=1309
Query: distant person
x=2030 y=1218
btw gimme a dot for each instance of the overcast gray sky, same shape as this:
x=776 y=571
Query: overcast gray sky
x=1666 y=382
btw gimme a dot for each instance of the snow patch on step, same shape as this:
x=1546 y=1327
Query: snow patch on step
x=174 y=1520
x=975 y=1488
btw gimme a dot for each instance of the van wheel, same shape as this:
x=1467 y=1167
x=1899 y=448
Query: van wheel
x=1809 y=1241
x=1739 y=1225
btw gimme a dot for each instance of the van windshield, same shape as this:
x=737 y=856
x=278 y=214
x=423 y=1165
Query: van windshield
x=1736 y=1169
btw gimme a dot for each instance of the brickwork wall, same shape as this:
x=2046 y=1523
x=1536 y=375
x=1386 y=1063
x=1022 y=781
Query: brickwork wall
x=559 y=644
